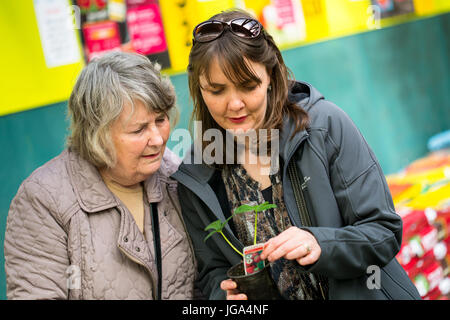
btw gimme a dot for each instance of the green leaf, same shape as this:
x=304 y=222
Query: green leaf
x=216 y=225
x=265 y=206
x=209 y=235
x=244 y=208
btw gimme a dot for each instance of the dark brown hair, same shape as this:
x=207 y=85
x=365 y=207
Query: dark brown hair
x=232 y=52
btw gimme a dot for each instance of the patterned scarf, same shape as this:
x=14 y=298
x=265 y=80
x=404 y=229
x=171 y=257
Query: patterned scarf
x=292 y=282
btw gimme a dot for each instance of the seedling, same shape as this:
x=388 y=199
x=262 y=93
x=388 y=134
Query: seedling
x=217 y=226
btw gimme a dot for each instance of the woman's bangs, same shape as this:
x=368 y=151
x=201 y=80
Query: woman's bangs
x=236 y=68
x=232 y=62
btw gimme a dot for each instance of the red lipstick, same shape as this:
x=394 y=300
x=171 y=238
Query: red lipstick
x=238 y=120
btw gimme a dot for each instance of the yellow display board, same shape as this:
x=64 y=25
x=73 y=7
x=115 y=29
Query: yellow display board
x=346 y=17
x=425 y=7
x=26 y=81
x=32 y=78
x=179 y=19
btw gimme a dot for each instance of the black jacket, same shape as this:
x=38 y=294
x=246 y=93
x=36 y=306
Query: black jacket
x=353 y=217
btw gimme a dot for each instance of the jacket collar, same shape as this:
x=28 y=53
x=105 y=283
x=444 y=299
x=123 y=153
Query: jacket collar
x=92 y=193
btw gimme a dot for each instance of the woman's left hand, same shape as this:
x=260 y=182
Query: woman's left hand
x=293 y=243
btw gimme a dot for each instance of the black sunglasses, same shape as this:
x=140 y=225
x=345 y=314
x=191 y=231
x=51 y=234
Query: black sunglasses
x=213 y=29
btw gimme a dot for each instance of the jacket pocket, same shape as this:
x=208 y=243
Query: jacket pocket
x=170 y=237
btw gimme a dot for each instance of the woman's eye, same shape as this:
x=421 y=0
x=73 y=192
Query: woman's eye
x=249 y=86
x=138 y=130
x=161 y=119
x=216 y=92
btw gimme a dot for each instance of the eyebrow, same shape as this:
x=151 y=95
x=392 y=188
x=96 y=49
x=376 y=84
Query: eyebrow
x=140 y=123
x=249 y=81
x=211 y=85
x=214 y=84
x=221 y=85
x=134 y=125
x=144 y=123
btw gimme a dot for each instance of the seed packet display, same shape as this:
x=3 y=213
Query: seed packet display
x=252 y=259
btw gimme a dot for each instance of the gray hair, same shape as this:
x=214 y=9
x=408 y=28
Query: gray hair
x=98 y=97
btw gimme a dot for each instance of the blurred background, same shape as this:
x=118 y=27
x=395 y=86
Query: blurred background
x=385 y=62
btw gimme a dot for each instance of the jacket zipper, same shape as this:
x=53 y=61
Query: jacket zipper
x=321 y=288
x=304 y=216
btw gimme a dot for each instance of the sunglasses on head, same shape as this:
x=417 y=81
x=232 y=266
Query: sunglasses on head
x=213 y=29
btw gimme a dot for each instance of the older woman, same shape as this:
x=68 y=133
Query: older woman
x=334 y=222
x=102 y=220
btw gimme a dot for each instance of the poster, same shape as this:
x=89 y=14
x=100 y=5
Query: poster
x=284 y=20
x=291 y=21
x=146 y=29
x=125 y=25
x=101 y=37
x=57 y=32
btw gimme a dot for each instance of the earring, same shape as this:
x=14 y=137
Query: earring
x=269 y=87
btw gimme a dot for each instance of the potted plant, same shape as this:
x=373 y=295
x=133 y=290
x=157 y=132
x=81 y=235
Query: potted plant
x=257 y=283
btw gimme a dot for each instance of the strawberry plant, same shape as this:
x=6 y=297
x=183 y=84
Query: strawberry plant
x=217 y=226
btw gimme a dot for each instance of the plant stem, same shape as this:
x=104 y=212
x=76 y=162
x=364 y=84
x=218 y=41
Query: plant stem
x=256 y=223
x=234 y=248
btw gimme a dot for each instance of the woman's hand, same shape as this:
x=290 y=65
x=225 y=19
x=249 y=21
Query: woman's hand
x=293 y=243
x=230 y=287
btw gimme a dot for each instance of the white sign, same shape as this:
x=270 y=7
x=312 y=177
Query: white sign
x=57 y=31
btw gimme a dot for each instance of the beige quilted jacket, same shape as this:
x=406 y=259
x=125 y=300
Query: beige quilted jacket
x=69 y=237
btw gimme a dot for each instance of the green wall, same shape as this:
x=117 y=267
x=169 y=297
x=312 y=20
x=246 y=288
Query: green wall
x=393 y=82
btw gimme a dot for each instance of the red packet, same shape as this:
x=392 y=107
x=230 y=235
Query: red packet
x=252 y=259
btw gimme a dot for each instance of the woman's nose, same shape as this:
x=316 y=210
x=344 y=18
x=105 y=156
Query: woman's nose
x=155 y=138
x=235 y=103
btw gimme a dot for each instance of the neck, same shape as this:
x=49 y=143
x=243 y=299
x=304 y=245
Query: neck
x=118 y=181
x=249 y=158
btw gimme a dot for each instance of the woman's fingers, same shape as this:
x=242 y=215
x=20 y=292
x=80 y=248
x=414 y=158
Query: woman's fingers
x=286 y=248
x=274 y=246
x=227 y=285
x=298 y=252
x=293 y=244
x=240 y=296
x=310 y=258
x=230 y=287
x=273 y=243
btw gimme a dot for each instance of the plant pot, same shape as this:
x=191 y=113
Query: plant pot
x=257 y=286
